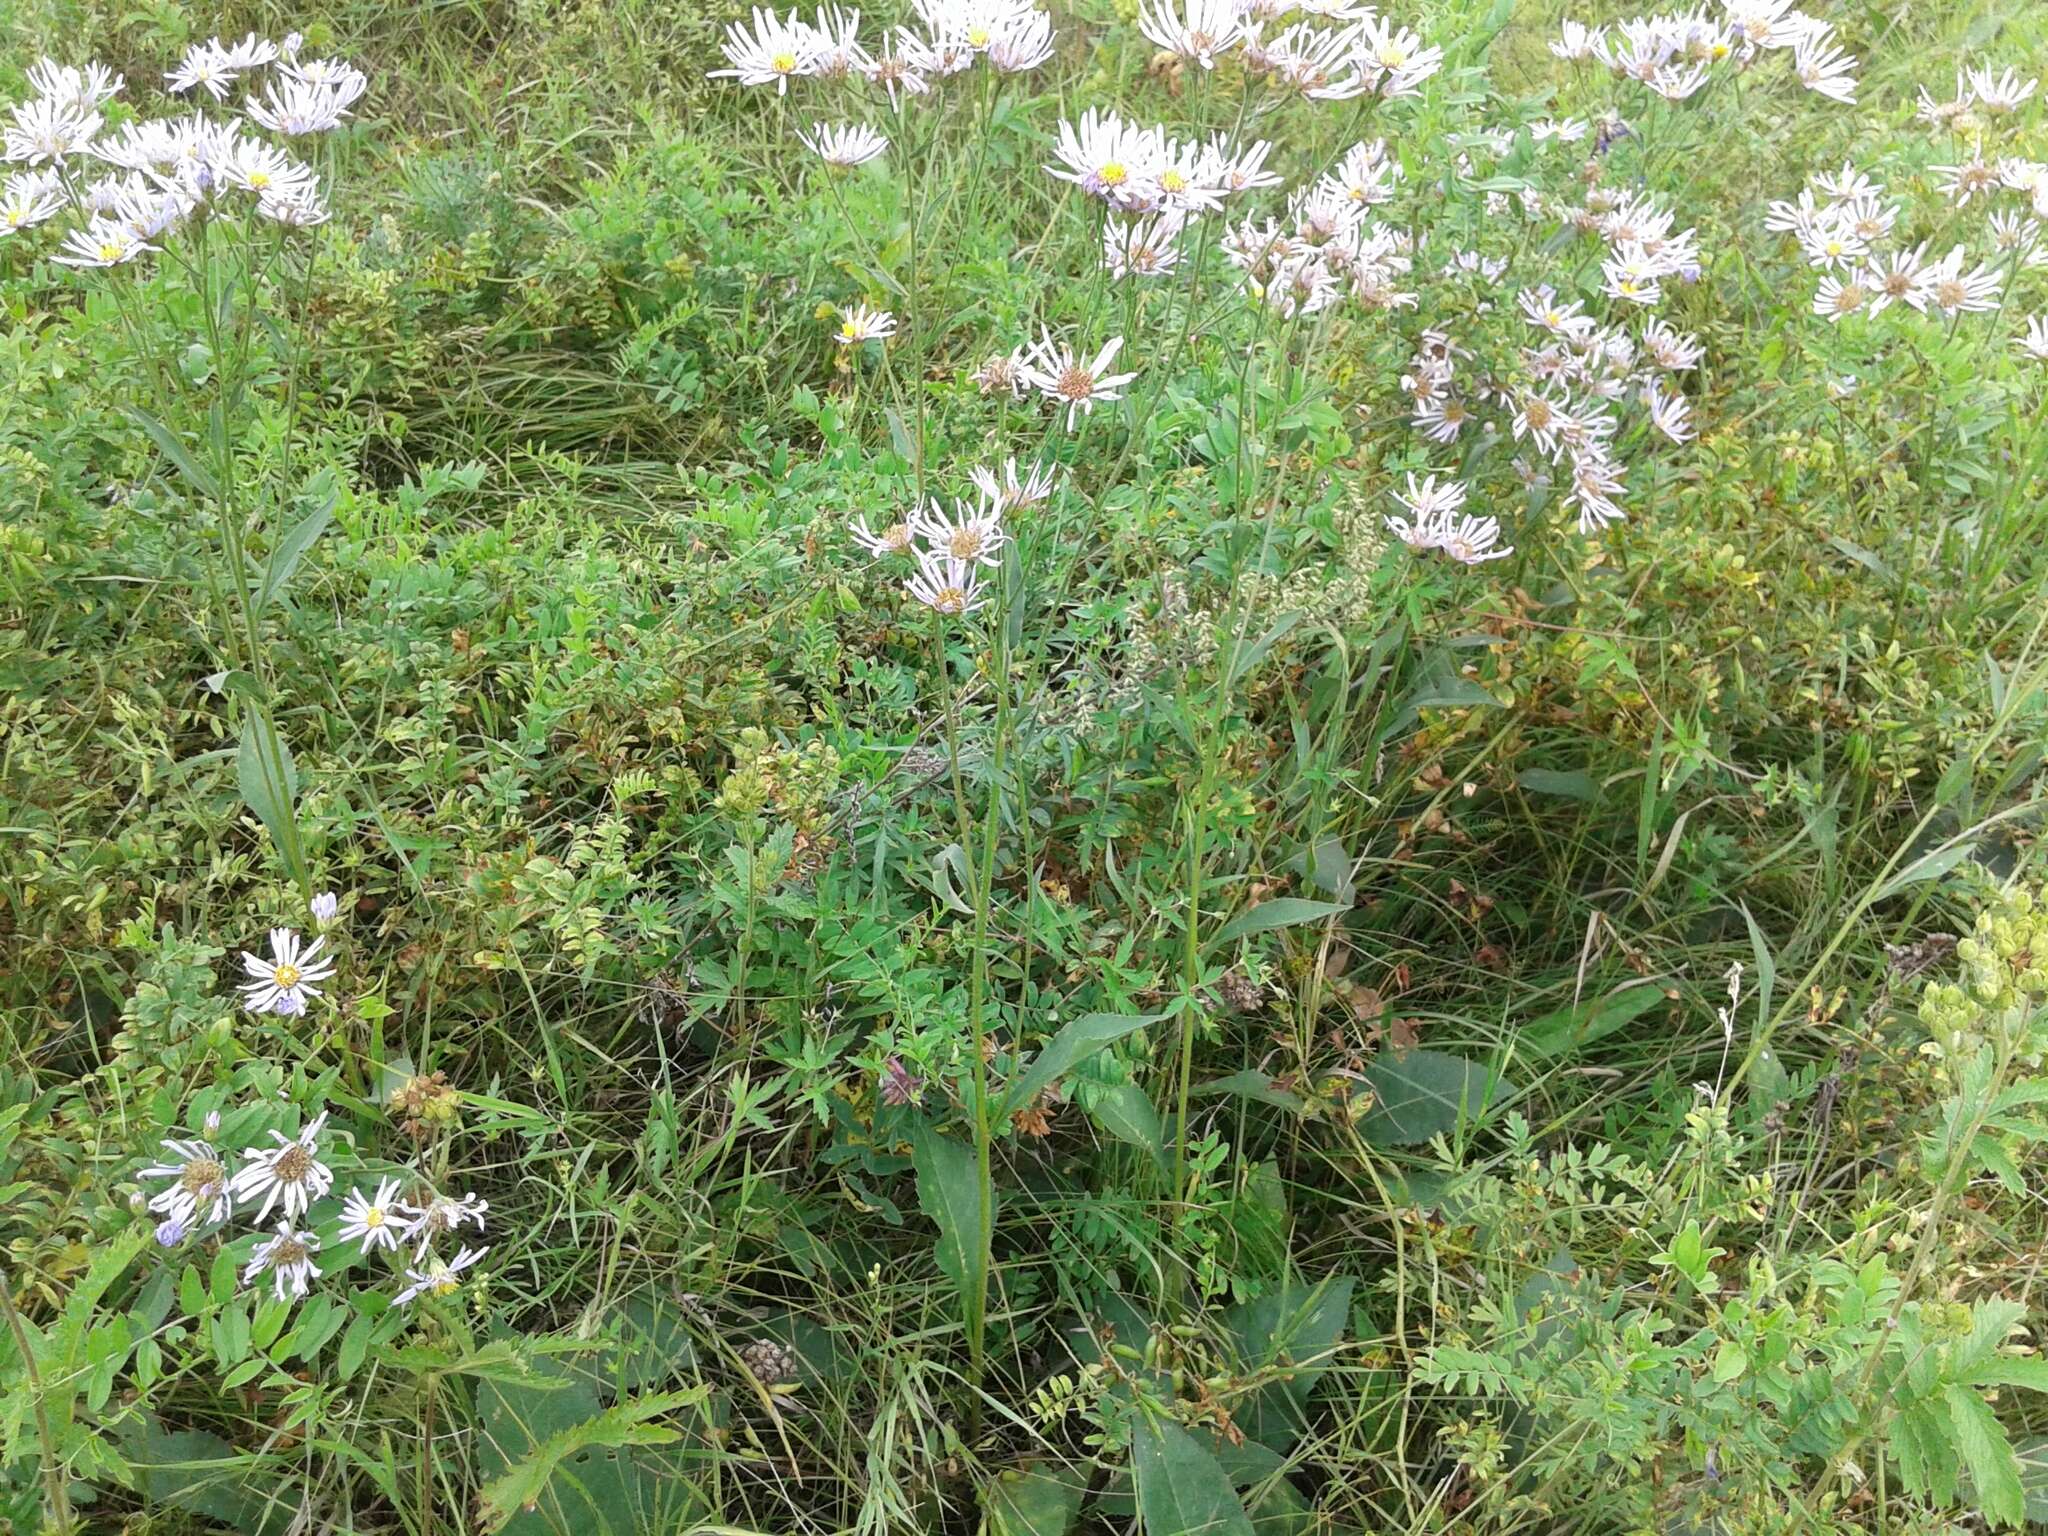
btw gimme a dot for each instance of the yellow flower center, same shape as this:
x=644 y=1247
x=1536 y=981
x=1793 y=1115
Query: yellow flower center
x=977 y=37
x=259 y=179
x=285 y=975
x=1173 y=181
x=110 y=251
x=783 y=63
x=1392 y=55
x=374 y=1216
x=966 y=543
x=1113 y=174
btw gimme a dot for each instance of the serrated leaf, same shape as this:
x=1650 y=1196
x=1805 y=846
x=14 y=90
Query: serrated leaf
x=1182 y=1489
x=1981 y=1442
x=522 y=1483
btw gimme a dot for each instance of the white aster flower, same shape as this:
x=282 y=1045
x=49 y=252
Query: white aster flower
x=974 y=534
x=1823 y=68
x=843 y=145
x=438 y=1278
x=289 y=1175
x=1578 y=41
x=861 y=324
x=30 y=198
x=1058 y=373
x=374 y=1220
x=288 y=1259
x=444 y=1214
x=198 y=1193
x=771 y=53
x=1670 y=411
x=80 y=92
x=903 y=70
x=294 y=107
x=1672 y=350
x=104 y=242
x=2005 y=92
x=892 y=540
x=267 y=171
x=1021 y=43
x=1193 y=29
x=282 y=983
x=1012 y=489
x=43 y=129
x=946 y=585
x=2034 y=341
x=1954 y=292
x=836 y=52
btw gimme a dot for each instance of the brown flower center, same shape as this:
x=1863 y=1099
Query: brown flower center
x=293 y=1164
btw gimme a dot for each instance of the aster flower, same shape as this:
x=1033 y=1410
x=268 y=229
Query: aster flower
x=1322 y=63
x=289 y=1175
x=212 y=65
x=1899 y=278
x=1108 y=158
x=1147 y=247
x=1193 y=29
x=1057 y=372
x=198 y=1192
x=1672 y=350
x=1470 y=540
x=325 y=908
x=294 y=107
x=974 y=534
x=771 y=53
x=288 y=1259
x=1596 y=483
x=282 y=983
x=30 y=198
x=1014 y=490
x=1230 y=170
x=836 y=51
x=2006 y=92
x=374 y=1220
x=43 y=129
x=1542 y=308
x=1975 y=177
x=946 y=585
x=1670 y=412
x=1004 y=373
x=444 y=1214
x=861 y=324
x=103 y=242
x=892 y=540
x=1400 y=60
x=337 y=75
x=1441 y=418
x=1953 y=291
x=1577 y=41
x=843 y=145
x=1823 y=68
x=299 y=207
x=1021 y=43
x=266 y=170
x=81 y=92
x=2034 y=341
x=1428 y=500
x=903 y=70
x=437 y=1278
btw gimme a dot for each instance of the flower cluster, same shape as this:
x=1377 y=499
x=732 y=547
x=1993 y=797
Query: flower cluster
x=1012 y=36
x=951 y=550
x=1675 y=56
x=163 y=171
x=205 y=1188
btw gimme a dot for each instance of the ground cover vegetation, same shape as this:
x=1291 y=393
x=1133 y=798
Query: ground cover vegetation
x=1205 y=766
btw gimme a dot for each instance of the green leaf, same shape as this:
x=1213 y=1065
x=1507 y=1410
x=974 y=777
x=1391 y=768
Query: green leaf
x=1249 y=1084
x=1981 y=1442
x=1419 y=1094
x=169 y=445
x=1576 y=784
x=1125 y=1112
x=1034 y=1503
x=322 y=492
x=522 y=1483
x=1075 y=1043
x=1296 y=1325
x=1281 y=912
x=1182 y=1489
x=1573 y=1028
x=202 y=1474
x=949 y=1191
x=2033 y=1459
x=269 y=783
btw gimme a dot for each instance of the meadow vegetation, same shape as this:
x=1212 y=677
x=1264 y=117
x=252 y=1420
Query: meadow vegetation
x=1206 y=767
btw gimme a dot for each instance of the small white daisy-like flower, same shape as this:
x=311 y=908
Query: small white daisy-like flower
x=1108 y=158
x=267 y=171
x=43 y=129
x=1231 y=170
x=1954 y=292
x=284 y=982
x=1427 y=500
x=903 y=70
x=1148 y=247
x=103 y=242
x=775 y=50
x=1836 y=298
x=1899 y=278
x=2034 y=341
x=1670 y=411
x=1004 y=374
x=861 y=324
x=946 y=585
x=1441 y=418
x=78 y=91
x=1578 y=41
x=974 y=534
x=1672 y=350
x=2005 y=92
x=289 y=1175
x=294 y=107
x=1471 y=540
x=1021 y=43
x=198 y=1193
x=1058 y=373
x=843 y=145
x=444 y=1214
x=1015 y=490
x=325 y=908
x=438 y=1278
x=30 y=198
x=1595 y=489
x=288 y=1259
x=376 y=1221
x=1199 y=30
x=836 y=51
x=1975 y=177
x=892 y=540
